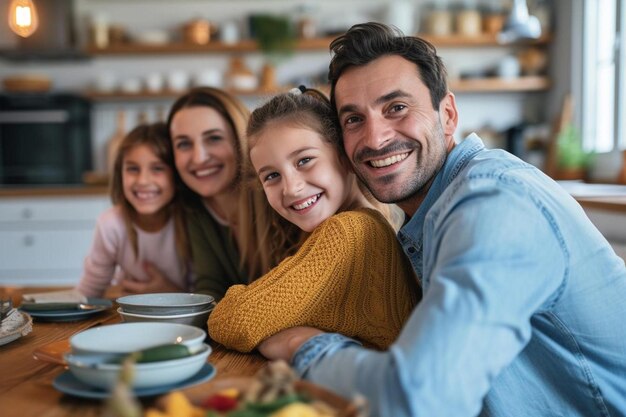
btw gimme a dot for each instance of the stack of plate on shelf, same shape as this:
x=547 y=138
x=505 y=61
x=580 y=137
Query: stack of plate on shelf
x=98 y=356
x=183 y=308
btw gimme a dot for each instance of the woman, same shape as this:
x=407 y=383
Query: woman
x=229 y=223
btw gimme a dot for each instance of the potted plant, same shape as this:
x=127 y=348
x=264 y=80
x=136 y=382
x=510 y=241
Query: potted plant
x=572 y=159
x=276 y=37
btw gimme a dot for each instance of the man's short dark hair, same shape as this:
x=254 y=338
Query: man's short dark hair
x=365 y=42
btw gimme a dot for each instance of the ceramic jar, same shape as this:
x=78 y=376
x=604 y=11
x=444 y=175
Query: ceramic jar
x=469 y=22
x=198 y=32
x=439 y=23
x=240 y=77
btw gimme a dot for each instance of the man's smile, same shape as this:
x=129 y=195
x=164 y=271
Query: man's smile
x=390 y=160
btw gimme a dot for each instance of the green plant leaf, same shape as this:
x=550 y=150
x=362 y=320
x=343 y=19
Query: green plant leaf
x=570 y=149
x=275 y=35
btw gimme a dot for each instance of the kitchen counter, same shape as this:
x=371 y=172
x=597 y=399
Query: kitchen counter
x=614 y=204
x=612 y=198
x=52 y=190
x=606 y=197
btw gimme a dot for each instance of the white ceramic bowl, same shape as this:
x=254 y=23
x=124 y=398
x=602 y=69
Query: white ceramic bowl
x=146 y=375
x=198 y=319
x=165 y=304
x=130 y=337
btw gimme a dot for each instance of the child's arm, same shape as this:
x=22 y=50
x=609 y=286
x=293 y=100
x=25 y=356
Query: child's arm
x=157 y=282
x=349 y=277
x=100 y=263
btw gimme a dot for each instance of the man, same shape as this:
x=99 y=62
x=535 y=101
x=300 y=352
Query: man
x=523 y=308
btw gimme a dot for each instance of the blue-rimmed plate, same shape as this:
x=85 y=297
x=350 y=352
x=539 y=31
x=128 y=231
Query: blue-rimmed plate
x=47 y=311
x=67 y=383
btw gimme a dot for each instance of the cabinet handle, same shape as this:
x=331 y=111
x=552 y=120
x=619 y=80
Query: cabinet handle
x=29 y=240
x=27 y=213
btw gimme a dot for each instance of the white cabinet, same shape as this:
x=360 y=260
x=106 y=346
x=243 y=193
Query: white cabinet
x=44 y=240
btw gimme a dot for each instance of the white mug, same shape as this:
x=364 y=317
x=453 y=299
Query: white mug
x=154 y=82
x=229 y=32
x=211 y=77
x=177 y=81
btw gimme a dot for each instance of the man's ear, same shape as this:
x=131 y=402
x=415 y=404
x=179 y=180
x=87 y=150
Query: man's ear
x=449 y=114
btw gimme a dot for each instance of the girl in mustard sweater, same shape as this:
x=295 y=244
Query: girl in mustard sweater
x=349 y=275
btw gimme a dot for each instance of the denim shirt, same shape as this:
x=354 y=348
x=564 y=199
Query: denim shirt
x=524 y=306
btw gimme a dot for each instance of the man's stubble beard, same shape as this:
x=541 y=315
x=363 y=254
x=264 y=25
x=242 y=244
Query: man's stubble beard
x=420 y=178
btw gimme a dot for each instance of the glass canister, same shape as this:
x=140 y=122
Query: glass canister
x=439 y=20
x=469 y=20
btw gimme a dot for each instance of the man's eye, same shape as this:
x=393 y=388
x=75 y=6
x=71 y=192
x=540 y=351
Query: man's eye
x=397 y=107
x=304 y=161
x=214 y=138
x=352 y=119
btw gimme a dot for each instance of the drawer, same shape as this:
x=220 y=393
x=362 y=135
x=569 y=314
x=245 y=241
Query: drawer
x=52 y=209
x=44 y=250
x=34 y=277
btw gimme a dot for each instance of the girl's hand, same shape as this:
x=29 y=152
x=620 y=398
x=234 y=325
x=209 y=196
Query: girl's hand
x=157 y=282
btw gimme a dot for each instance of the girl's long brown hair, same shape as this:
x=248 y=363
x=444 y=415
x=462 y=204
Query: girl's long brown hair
x=156 y=137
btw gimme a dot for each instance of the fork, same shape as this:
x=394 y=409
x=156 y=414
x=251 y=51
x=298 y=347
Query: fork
x=6 y=307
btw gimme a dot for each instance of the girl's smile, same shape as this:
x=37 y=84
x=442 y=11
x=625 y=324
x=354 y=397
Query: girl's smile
x=306 y=203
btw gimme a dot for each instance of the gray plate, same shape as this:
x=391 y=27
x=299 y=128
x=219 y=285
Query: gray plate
x=165 y=304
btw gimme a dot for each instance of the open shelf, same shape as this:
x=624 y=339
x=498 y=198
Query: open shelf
x=166 y=95
x=497 y=85
x=477 y=85
x=301 y=45
x=212 y=47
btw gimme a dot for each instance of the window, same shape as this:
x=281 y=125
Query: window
x=603 y=75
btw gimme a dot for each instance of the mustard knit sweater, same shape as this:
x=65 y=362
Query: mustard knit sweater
x=350 y=276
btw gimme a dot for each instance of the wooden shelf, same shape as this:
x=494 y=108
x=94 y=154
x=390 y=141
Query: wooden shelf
x=478 y=40
x=212 y=47
x=301 y=45
x=166 y=95
x=478 y=85
x=500 y=85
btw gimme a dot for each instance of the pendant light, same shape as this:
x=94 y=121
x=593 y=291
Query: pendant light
x=23 y=19
x=520 y=25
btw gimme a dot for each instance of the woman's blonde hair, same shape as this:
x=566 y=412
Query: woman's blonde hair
x=155 y=136
x=259 y=252
x=311 y=109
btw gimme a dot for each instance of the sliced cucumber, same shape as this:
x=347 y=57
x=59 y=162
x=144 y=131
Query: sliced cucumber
x=161 y=353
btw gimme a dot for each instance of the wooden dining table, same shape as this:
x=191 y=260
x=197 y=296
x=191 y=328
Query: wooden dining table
x=26 y=382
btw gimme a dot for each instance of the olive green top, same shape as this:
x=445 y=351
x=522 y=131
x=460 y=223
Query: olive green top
x=214 y=253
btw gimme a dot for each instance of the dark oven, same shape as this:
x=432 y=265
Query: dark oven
x=44 y=138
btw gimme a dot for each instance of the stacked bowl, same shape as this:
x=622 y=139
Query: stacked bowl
x=182 y=308
x=97 y=354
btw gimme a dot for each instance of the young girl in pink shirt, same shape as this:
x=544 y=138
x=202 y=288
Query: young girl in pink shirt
x=141 y=241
